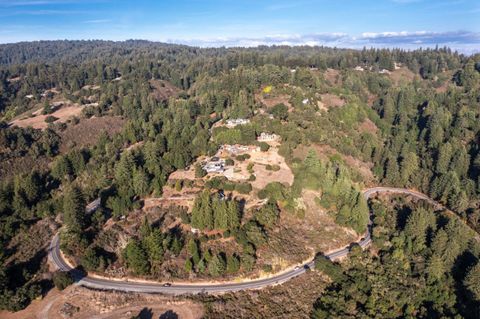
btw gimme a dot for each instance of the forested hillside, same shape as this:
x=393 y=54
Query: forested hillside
x=137 y=112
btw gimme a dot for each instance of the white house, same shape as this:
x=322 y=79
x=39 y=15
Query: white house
x=214 y=165
x=267 y=137
x=235 y=122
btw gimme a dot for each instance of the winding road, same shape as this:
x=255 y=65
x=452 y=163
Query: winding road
x=176 y=289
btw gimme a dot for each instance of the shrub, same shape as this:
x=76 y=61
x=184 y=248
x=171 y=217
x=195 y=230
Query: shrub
x=243 y=188
x=242 y=157
x=50 y=119
x=267 y=268
x=273 y=167
x=62 y=279
x=199 y=171
x=280 y=111
x=264 y=147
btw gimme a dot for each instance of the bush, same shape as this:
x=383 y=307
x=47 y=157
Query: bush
x=267 y=268
x=62 y=279
x=243 y=188
x=199 y=171
x=50 y=119
x=280 y=111
x=331 y=269
x=217 y=182
x=229 y=162
x=274 y=167
x=242 y=157
x=264 y=147
x=185 y=217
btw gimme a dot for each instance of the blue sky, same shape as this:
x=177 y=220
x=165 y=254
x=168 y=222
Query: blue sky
x=343 y=23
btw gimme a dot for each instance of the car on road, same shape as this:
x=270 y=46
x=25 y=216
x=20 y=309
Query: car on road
x=167 y=284
x=296 y=268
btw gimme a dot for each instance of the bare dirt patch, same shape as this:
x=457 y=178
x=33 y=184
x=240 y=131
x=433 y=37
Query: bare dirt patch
x=272 y=100
x=324 y=151
x=261 y=160
x=331 y=100
x=401 y=75
x=188 y=173
x=163 y=90
x=87 y=131
x=367 y=126
x=80 y=303
x=333 y=76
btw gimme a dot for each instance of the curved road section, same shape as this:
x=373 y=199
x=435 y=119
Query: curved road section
x=147 y=287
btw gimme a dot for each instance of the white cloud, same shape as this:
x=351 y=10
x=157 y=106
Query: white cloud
x=463 y=41
x=97 y=21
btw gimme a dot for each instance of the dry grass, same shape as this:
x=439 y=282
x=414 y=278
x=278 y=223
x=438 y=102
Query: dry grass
x=401 y=75
x=22 y=165
x=293 y=299
x=298 y=239
x=367 y=126
x=272 y=100
x=29 y=243
x=87 y=131
x=333 y=76
x=331 y=100
x=163 y=90
x=64 y=113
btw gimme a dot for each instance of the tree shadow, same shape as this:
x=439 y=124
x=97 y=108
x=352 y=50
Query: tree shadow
x=169 y=314
x=145 y=313
x=403 y=213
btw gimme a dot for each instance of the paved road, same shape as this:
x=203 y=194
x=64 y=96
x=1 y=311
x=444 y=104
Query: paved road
x=136 y=286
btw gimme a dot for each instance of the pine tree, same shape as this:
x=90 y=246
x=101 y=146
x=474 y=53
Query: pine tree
x=193 y=250
x=188 y=265
x=74 y=210
x=472 y=281
x=153 y=244
x=435 y=268
x=145 y=228
x=136 y=257
x=216 y=265
x=61 y=168
x=444 y=158
x=233 y=264
x=408 y=166
x=233 y=214
x=140 y=182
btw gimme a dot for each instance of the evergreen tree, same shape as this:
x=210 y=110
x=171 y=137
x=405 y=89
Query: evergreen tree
x=74 y=210
x=472 y=281
x=140 y=182
x=216 y=265
x=136 y=258
x=233 y=264
x=194 y=251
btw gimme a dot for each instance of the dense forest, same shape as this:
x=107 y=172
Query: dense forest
x=426 y=137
